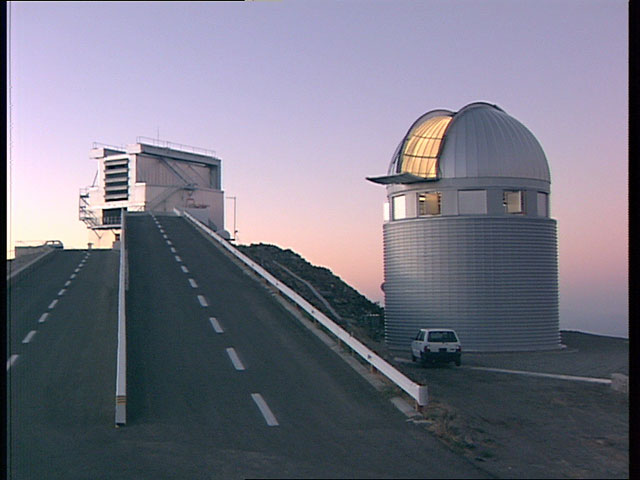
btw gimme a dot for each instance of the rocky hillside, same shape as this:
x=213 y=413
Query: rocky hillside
x=320 y=287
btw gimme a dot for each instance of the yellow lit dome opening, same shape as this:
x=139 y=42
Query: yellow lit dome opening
x=419 y=155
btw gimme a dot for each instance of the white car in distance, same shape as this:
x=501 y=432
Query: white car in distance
x=436 y=345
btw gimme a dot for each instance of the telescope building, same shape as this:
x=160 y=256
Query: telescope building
x=151 y=176
x=469 y=243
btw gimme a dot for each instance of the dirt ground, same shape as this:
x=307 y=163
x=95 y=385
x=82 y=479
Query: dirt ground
x=515 y=426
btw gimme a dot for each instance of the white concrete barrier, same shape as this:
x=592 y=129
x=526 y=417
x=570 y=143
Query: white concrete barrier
x=620 y=382
x=121 y=368
x=418 y=392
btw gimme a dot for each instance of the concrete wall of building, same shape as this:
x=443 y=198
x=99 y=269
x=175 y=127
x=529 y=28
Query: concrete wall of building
x=157 y=171
x=165 y=199
x=101 y=238
x=158 y=179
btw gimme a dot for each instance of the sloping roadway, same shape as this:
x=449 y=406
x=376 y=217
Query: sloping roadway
x=224 y=383
x=61 y=346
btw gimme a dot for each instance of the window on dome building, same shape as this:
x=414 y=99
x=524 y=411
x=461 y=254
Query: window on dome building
x=513 y=201
x=543 y=204
x=472 y=202
x=399 y=207
x=429 y=203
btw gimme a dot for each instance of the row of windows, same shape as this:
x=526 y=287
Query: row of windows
x=470 y=202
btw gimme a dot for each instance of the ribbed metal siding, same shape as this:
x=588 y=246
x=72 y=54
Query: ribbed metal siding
x=483 y=141
x=493 y=280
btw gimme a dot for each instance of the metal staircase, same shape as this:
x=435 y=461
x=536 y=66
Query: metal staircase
x=84 y=213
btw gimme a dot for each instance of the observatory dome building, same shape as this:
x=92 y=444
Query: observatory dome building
x=468 y=240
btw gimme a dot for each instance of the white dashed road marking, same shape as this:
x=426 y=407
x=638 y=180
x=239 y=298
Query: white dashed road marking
x=193 y=283
x=178 y=259
x=237 y=364
x=43 y=318
x=29 y=336
x=53 y=304
x=67 y=283
x=203 y=301
x=62 y=292
x=11 y=361
x=184 y=269
x=265 y=410
x=216 y=325
x=173 y=250
x=604 y=381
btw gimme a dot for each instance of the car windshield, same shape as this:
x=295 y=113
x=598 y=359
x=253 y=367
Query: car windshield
x=444 y=337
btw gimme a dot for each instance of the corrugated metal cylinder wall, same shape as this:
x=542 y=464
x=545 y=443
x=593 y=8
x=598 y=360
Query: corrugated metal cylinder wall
x=492 y=279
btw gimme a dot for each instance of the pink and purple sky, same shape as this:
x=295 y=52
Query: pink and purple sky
x=303 y=99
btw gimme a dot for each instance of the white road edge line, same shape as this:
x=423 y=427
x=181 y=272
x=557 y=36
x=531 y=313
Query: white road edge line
x=604 y=381
x=43 y=317
x=184 y=269
x=53 y=304
x=11 y=361
x=29 y=336
x=216 y=325
x=193 y=283
x=265 y=410
x=203 y=301
x=237 y=364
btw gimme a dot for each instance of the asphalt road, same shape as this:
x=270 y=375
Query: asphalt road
x=222 y=381
x=194 y=400
x=61 y=385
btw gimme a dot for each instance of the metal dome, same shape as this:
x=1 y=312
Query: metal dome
x=480 y=140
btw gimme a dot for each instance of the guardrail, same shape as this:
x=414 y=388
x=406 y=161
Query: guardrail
x=121 y=368
x=416 y=391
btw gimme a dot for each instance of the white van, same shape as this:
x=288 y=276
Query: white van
x=436 y=345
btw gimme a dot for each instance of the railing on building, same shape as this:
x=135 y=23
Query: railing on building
x=106 y=146
x=85 y=214
x=155 y=142
x=89 y=217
